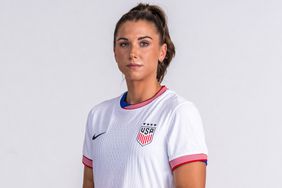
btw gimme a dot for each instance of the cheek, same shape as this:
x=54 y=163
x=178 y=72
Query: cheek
x=119 y=55
x=152 y=57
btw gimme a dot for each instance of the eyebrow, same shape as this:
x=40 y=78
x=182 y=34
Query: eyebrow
x=140 y=38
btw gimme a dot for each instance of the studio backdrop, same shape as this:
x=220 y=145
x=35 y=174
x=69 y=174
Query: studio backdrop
x=56 y=63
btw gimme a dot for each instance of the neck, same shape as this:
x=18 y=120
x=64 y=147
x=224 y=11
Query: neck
x=139 y=91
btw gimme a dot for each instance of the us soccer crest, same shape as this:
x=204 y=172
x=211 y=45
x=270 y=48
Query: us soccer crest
x=146 y=133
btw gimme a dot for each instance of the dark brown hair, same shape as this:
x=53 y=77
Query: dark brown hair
x=155 y=15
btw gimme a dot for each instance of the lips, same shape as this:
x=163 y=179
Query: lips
x=134 y=65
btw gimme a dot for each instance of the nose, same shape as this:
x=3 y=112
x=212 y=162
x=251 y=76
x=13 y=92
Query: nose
x=133 y=52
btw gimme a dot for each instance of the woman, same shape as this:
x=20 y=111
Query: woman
x=149 y=136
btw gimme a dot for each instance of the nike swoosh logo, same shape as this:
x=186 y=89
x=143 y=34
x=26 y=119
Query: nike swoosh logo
x=96 y=136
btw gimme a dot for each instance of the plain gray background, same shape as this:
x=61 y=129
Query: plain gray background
x=56 y=63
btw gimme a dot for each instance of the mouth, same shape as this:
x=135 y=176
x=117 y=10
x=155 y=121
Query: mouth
x=134 y=65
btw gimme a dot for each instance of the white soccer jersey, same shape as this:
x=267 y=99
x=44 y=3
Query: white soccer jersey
x=140 y=145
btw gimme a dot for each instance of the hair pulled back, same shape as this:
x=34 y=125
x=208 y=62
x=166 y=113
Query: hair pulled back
x=155 y=15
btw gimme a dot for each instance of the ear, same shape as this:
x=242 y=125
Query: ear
x=114 y=53
x=163 y=51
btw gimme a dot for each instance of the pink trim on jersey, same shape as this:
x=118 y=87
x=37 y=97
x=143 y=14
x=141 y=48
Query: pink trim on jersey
x=138 y=105
x=87 y=162
x=187 y=159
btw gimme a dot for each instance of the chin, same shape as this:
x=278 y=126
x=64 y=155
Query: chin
x=134 y=77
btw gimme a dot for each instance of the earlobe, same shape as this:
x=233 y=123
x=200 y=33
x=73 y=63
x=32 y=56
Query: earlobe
x=163 y=52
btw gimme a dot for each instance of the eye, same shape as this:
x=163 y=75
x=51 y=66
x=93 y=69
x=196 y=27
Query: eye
x=123 y=44
x=144 y=43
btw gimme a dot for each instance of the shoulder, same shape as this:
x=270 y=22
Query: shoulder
x=177 y=103
x=104 y=106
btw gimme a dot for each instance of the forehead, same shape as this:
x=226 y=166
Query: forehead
x=137 y=28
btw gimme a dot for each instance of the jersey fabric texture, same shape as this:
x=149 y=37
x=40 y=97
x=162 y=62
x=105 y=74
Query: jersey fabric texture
x=140 y=145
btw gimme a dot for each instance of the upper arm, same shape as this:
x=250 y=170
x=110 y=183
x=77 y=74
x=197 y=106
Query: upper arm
x=88 y=181
x=190 y=175
x=187 y=150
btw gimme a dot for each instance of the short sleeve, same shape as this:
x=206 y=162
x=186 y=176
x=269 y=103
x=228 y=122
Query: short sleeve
x=186 y=138
x=87 y=145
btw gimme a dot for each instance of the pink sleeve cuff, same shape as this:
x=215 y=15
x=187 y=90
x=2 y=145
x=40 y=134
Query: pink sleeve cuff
x=187 y=159
x=87 y=162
